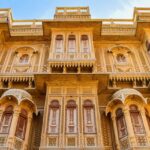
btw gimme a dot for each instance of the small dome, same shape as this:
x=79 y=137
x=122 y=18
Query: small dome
x=20 y=96
x=124 y=93
x=121 y=96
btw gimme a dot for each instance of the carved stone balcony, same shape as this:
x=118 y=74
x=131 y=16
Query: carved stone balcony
x=67 y=57
x=73 y=13
x=21 y=67
x=71 y=62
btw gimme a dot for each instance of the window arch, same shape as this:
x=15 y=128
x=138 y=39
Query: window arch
x=54 y=112
x=89 y=117
x=6 y=120
x=24 y=59
x=85 y=43
x=136 y=119
x=71 y=43
x=59 y=43
x=22 y=124
x=121 y=124
x=71 y=117
x=121 y=58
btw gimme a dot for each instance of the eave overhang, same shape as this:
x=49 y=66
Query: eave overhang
x=94 y=24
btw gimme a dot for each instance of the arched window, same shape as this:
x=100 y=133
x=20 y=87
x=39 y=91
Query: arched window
x=121 y=124
x=24 y=59
x=71 y=43
x=53 y=121
x=59 y=43
x=85 y=43
x=6 y=120
x=121 y=58
x=22 y=124
x=89 y=117
x=71 y=117
x=136 y=120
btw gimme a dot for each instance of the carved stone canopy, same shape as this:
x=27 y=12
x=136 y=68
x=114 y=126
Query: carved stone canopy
x=121 y=97
x=20 y=96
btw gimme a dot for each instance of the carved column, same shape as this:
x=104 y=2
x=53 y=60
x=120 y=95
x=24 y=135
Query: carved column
x=25 y=147
x=94 y=69
x=30 y=84
x=64 y=69
x=145 y=124
x=79 y=69
x=130 y=130
x=10 y=84
x=1 y=114
x=81 y=142
x=63 y=114
x=11 y=136
x=1 y=84
x=98 y=124
x=116 y=132
x=45 y=123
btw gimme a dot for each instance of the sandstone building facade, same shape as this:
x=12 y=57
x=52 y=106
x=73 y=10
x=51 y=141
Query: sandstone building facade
x=74 y=82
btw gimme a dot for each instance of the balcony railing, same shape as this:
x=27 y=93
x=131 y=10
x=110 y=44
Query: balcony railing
x=18 y=145
x=71 y=56
x=3 y=140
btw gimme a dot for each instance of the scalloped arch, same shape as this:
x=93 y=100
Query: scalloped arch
x=20 y=95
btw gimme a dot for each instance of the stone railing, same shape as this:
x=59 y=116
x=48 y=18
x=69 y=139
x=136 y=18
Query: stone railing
x=73 y=13
x=70 y=56
x=5 y=15
x=26 y=28
x=142 y=14
x=122 y=27
x=18 y=145
x=3 y=140
x=109 y=26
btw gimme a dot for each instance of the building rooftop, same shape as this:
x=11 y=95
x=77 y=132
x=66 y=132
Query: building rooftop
x=78 y=14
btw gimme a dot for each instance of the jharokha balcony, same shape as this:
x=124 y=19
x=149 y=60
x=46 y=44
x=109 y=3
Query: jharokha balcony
x=16 y=113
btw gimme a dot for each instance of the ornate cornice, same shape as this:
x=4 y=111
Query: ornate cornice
x=17 y=78
x=129 y=76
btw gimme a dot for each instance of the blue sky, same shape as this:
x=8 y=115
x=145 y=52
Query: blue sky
x=44 y=9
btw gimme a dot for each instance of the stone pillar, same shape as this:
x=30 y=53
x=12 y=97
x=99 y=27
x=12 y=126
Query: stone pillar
x=115 y=132
x=79 y=69
x=94 y=69
x=98 y=123
x=1 y=113
x=61 y=130
x=145 y=123
x=45 y=122
x=64 y=69
x=81 y=126
x=131 y=135
x=25 y=147
x=9 y=84
x=1 y=84
x=11 y=136
x=114 y=84
x=49 y=68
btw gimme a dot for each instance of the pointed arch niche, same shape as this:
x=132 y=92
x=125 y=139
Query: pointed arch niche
x=123 y=58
